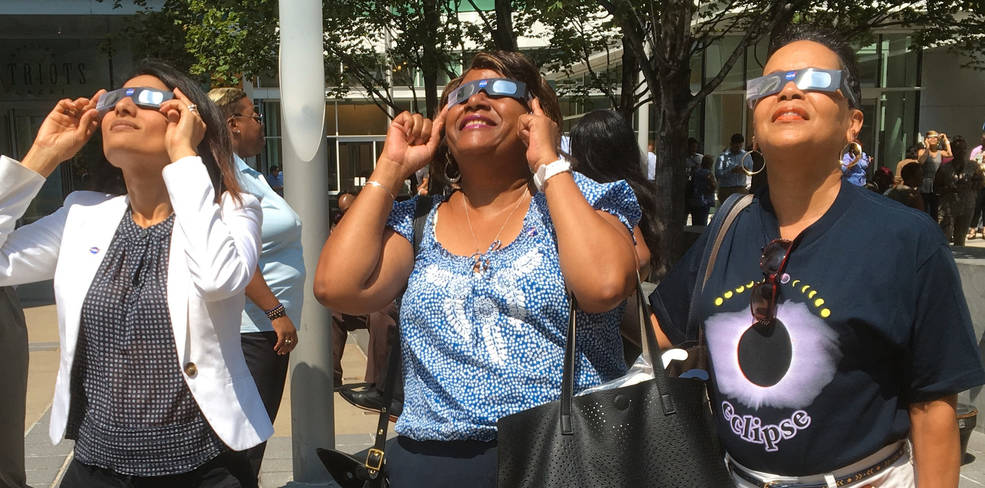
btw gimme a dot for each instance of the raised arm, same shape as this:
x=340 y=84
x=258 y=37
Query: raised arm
x=364 y=265
x=947 y=146
x=222 y=240
x=30 y=253
x=595 y=248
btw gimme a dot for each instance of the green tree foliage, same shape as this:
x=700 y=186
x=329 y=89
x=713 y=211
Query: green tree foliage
x=217 y=40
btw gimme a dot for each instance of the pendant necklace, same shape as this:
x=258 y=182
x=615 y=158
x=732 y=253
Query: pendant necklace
x=480 y=260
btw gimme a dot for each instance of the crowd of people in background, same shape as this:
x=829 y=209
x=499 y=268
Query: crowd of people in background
x=940 y=176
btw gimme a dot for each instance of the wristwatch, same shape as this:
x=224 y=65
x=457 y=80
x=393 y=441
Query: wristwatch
x=546 y=171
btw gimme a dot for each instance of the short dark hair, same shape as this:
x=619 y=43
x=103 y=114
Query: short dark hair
x=226 y=99
x=737 y=138
x=831 y=40
x=510 y=64
x=911 y=172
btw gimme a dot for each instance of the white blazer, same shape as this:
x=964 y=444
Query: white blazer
x=214 y=252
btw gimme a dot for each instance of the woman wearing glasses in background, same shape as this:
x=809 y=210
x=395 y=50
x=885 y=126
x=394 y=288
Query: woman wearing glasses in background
x=483 y=318
x=859 y=335
x=152 y=384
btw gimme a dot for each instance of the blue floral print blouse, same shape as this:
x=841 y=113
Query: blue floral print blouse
x=480 y=346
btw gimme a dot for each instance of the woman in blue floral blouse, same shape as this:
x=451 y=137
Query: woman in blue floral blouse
x=484 y=313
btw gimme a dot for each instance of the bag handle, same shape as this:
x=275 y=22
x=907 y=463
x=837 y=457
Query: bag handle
x=723 y=220
x=374 y=457
x=720 y=224
x=650 y=349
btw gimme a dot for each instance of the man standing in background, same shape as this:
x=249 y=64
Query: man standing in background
x=729 y=170
x=13 y=384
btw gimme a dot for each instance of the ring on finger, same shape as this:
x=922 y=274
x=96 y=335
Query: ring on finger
x=192 y=107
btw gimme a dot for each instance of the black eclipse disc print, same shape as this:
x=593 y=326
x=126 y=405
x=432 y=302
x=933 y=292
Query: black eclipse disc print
x=765 y=353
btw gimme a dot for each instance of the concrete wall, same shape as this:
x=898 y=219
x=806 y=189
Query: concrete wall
x=971 y=266
x=953 y=98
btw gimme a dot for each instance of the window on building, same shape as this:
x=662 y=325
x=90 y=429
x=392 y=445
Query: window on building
x=723 y=117
x=715 y=57
x=900 y=63
x=361 y=119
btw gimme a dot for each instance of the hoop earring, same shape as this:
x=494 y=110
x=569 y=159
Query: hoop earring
x=451 y=164
x=851 y=146
x=742 y=164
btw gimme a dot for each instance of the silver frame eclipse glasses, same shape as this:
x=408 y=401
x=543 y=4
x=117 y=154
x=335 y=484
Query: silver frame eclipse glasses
x=494 y=87
x=808 y=79
x=142 y=97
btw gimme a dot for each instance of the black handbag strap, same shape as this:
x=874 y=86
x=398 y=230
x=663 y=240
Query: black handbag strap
x=374 y=458
x=650 y=349
x=723 y=219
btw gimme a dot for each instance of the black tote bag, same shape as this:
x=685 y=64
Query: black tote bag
x=655 y=434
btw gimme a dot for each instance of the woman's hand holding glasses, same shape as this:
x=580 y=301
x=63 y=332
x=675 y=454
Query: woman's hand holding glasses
x=185 y=127
x=540 y=134
x=63 y=133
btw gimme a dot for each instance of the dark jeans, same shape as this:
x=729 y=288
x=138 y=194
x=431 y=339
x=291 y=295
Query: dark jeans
x=228 y=470
x=269 y=372
x=13 y=385
x=699 y=215
x=441 y=464
x=978 y=219
x=930 y=205
x=955 y=227
x=379 y=324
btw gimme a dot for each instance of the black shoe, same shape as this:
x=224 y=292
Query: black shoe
x=367 y=397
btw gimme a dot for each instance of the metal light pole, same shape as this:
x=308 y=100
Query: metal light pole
x=302 y=88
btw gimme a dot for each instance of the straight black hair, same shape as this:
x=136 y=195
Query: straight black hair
x=603 y=146
x=216 y=147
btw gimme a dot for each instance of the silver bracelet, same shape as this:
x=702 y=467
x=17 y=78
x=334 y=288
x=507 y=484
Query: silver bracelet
x=381 y=185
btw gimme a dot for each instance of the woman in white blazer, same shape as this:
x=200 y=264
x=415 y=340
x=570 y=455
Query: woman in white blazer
x=149 y=287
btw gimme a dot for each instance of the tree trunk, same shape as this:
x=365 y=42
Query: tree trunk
x=672 y=123
x=630 y=71
x=504 y=37
x=429 y=68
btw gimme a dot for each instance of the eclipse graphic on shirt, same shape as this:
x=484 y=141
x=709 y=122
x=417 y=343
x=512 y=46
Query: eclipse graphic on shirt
x=764 y=353
x=784 y=367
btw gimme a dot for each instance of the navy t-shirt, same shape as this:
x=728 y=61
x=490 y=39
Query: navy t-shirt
x=871 y=318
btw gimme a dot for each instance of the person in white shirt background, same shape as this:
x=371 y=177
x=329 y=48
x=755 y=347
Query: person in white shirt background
x=651 y=162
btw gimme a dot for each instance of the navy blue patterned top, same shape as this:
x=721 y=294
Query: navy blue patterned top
x=480 y=346
x=131 y=410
